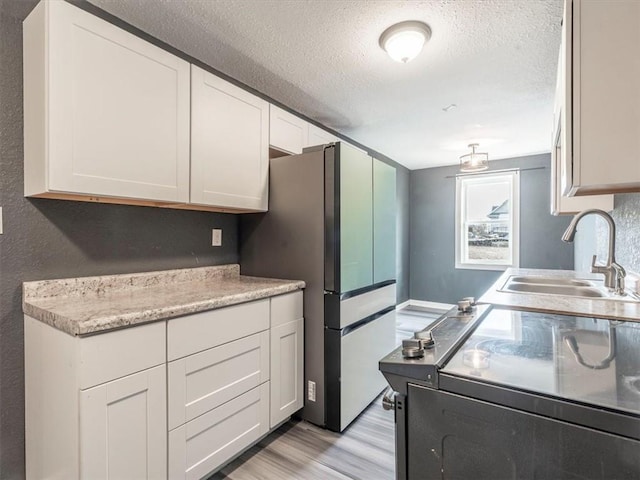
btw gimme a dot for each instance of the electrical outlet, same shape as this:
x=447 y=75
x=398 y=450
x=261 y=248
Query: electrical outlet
x=216 y=237
x=311 y=391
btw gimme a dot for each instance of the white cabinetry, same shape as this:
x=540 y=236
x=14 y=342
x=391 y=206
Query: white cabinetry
x=287 y=132
x=317 y=136
x=106 y=113
x=229 y=145
x=110 y=406
x=561 y=145
x=290 y=134
x=122 y=428
x=219 y=396
x=96 y=406
x=287 y=359
x=601 y=66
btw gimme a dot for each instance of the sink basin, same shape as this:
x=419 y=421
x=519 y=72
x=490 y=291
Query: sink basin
x=571 y=290
x=551 y=280
x=570 y=287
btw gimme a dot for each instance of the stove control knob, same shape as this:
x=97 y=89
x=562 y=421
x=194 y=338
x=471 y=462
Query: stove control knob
x=412 y=348
x=425 y=337
x=465 y=306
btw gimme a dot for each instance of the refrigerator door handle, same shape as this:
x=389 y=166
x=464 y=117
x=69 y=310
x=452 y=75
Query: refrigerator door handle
x=331 y=220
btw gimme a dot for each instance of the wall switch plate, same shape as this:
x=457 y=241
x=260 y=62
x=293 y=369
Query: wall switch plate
x=216 y=237
x=311 y=391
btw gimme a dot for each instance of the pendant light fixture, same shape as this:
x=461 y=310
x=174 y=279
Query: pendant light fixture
x=474 y=161
x=404 y=41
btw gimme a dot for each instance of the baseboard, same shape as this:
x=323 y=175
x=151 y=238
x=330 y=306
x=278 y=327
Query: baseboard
x=402 y=305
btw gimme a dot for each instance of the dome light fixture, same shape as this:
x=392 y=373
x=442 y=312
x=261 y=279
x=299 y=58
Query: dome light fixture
x=404 y=41
x=474 y=161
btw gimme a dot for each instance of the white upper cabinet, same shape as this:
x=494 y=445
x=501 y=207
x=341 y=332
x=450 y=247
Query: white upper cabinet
x=317 y=136
x=561 y=146
x=229 y=145
x=601 y=68
x=106 y=113
x=290 y=134
x=287 y=132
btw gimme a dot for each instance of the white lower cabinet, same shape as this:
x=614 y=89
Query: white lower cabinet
x=208 y=379
x=206 y=443
x=95 y=407
x=287 y=356
x=122 y=427
x=170 y=399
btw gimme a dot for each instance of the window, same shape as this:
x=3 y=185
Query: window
x=487 y=221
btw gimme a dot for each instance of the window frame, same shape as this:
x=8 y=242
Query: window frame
x=514 y=179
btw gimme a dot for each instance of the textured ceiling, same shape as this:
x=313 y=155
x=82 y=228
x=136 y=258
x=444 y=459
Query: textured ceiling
x=494 y=59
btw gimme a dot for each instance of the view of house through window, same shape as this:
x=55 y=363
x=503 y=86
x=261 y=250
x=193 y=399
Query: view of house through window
x=487 y=223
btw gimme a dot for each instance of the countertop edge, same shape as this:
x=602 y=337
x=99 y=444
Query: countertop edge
x=112 y=322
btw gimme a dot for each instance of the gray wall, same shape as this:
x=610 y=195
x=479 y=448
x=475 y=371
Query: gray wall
x=593 y=237
x=433 y=275
x=50 y=239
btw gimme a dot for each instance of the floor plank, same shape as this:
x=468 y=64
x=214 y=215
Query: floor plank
x=299 y=450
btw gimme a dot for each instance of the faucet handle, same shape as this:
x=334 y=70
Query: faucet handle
x=597 y=268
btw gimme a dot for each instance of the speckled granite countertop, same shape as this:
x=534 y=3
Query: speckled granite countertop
x=81 y=306
x=592 y=307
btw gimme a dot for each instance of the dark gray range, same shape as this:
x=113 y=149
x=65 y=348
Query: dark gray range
x=331 y=223
x=506 y=394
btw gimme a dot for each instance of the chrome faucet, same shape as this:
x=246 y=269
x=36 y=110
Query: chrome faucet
x=613 y=272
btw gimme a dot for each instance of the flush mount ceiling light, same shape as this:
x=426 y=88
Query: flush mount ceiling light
x=474 y=162
x=404 y=41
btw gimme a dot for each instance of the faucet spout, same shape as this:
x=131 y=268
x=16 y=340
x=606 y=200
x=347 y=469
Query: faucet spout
x=613 y=272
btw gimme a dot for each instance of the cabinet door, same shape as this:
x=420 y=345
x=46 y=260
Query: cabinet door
x=605 y=96
x=116 y=109
x=384 y=221
x=287 y=132
x=317 y=136
x=229 y=144
x=123 y=427
x=206 y=443
x=356 y=218
x=287 y=366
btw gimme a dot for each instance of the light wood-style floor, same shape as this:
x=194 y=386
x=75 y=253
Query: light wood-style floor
x=301 y=451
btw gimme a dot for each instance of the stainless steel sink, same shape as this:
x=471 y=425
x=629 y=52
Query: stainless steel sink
x=551 y=280
x=571 y=290
x=571 y=287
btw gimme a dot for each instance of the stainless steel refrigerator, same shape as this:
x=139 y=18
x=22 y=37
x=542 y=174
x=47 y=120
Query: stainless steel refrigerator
x=332 y=223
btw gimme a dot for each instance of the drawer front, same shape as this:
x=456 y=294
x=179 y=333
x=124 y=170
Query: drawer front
x=203 y=445
x=286 y=308
x=206 y=380
x=201 y=331
x=107 y=356
x=361 y=306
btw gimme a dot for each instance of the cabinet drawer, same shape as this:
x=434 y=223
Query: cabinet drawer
x=195 y=333
x=207 y=442
x=112 y=355
x=206 y=380
x=286 y=308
